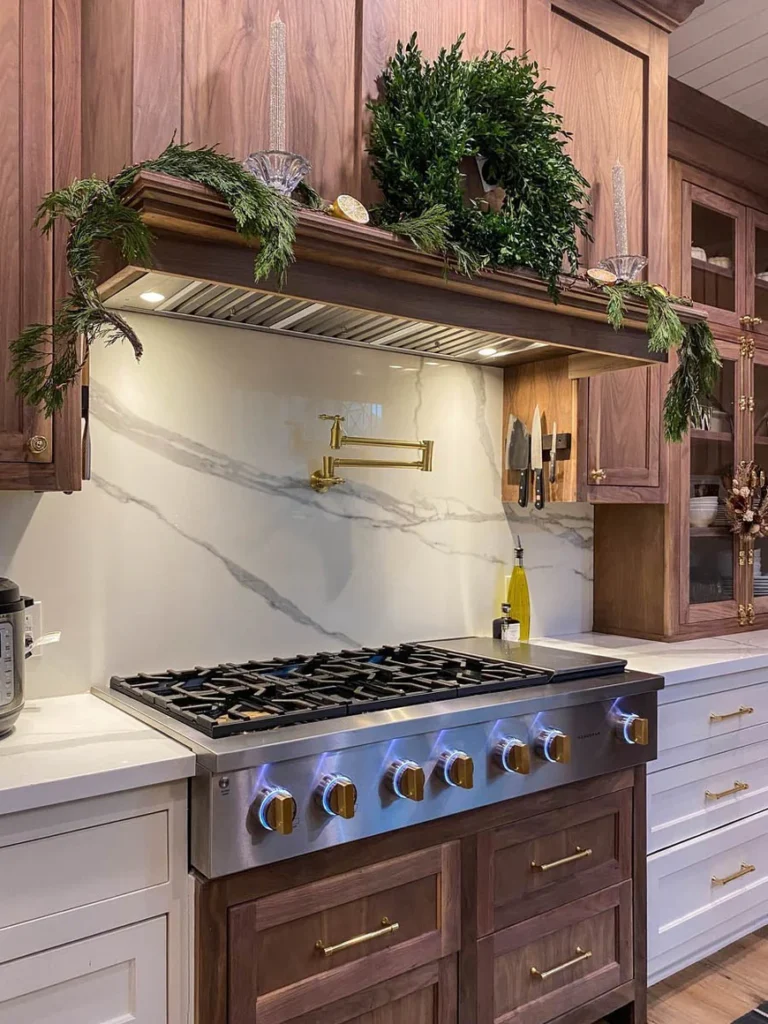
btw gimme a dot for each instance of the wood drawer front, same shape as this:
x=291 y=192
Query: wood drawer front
x=517 y=890
x=683 y=900
x=276 y=967
x=678 y=805
x=600 y=924
x=687 y=722
x=48 y=877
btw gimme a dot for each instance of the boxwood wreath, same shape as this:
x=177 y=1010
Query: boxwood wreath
x=429 y=117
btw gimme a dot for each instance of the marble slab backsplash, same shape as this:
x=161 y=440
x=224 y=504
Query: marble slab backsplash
x=199 y=539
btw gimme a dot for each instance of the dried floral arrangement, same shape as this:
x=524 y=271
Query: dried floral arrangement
x=746 y=504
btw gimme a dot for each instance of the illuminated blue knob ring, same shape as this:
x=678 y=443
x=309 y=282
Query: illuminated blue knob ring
x=328 y=789
x=628 y=720
x=549 y=735
x=447 y=767
x=506 y=747
x=397 y=777
x=264 y=807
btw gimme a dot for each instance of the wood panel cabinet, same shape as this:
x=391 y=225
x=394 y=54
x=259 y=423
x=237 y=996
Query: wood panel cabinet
x=263 y=934
x=35 y=452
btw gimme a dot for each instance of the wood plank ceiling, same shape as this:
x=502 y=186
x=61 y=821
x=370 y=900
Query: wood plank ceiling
x=722 y=50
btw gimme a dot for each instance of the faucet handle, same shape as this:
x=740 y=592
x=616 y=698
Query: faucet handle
x=327 y=416
x=337 y=434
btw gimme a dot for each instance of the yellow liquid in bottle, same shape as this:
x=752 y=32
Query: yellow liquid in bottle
x=519 y=602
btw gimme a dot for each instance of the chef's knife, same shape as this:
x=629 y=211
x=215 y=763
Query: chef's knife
x=553 y=455
x=537 y=460
x=520 y=459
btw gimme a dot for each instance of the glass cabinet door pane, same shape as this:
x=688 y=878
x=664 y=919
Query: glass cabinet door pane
x=761 y=274
x=713 y=258
x=719 y=417
x=713 y=549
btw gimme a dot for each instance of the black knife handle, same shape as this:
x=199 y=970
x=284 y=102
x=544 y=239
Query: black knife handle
x=522 y=488
x=538 y=489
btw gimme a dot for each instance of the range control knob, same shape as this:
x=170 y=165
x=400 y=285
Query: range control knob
x=513 y=756
x=337 y=795
x=632 y=729
x=457 y=768
x=406 y=780
x=554 y=746
x=276 y=810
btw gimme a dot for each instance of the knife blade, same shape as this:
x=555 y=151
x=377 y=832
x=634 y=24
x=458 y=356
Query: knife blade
x=520 y=459
x=553 y=455
x=537 y=460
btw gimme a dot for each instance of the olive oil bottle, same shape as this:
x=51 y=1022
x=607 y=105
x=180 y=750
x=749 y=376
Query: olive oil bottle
x=517 y=597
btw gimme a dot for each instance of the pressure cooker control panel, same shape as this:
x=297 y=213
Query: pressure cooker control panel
x=6 y=663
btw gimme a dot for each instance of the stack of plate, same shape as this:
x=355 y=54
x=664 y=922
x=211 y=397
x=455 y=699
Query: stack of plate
x=703 y=511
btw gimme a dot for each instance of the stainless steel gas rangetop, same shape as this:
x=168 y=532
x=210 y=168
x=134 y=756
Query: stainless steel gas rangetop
x=298 y=754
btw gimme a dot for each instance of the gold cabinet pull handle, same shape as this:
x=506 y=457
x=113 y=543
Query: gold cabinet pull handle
x=738 y=787
x=743 y=710
x=387 y=928
x=580 y=854
x=581 y=954
x=745 y=869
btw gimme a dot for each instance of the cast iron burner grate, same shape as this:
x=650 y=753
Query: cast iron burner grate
x=231 y=699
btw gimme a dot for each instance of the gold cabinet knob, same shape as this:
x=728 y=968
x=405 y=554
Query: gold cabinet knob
x=513 y=755
x=554 y=746
x=276 y=811
x=338 y=796
x=745 y=321
x=633 y=729
x=37 y=445
x=458 y=769
x=756 y=321
x=406 y=780
x=596 y=475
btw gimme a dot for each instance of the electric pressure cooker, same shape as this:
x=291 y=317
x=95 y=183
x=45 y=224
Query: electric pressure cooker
x=12 y=606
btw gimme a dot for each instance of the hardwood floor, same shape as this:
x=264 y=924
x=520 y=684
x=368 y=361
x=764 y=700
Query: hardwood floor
x=717 y=990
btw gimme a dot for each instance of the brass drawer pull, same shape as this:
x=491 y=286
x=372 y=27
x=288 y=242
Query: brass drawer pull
x=715 y=717
x=579 y=855
x=387 y=928
x=738 y=787
x=581 y=954
x=745 y=869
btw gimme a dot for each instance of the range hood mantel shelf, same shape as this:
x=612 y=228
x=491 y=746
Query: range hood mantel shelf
x=357 y=285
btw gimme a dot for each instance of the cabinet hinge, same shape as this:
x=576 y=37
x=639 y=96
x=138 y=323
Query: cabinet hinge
x=746 y=404
x=751 y=614
x=747 y=346
x=742 y=558
x=742 y=615
x=751 y=557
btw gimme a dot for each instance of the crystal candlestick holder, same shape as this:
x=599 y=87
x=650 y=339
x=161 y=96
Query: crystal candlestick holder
x=626 y=268
x=280 y=170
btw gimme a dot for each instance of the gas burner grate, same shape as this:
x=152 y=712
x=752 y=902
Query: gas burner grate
x=228 y=699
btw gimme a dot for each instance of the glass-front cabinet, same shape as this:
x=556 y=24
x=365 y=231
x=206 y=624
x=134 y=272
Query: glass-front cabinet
x=724 y=269
x=710 y=552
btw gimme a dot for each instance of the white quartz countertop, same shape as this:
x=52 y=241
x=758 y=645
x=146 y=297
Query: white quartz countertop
x=678 y=663
x=71 y=748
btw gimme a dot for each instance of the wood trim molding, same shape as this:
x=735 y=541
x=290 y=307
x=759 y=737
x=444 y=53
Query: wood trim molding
x=667 y=14
x=714 y=120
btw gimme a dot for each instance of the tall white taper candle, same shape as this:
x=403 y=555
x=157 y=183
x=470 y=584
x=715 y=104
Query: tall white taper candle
x=620 y=210
x=277 y=84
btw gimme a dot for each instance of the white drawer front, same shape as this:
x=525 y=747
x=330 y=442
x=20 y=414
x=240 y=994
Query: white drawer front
x=74 y=869
x=116 y=977
x=678 y=805
x=718 y=718
x=683 y=900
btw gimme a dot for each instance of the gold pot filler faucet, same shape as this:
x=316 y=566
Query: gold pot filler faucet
x=323 y=479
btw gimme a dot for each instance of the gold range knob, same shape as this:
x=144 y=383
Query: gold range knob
x=337 y=795
x=37 y=445
x=406 y=780
x=554 y=746
x=633 y=729
x=276 y=811
x=513 y=756
x=457 y=768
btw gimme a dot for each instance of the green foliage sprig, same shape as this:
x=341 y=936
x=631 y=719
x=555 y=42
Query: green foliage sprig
x=45 y=359
x=433 y=115
x=698 y=360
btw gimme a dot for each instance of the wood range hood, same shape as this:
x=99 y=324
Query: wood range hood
x=360 y=286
